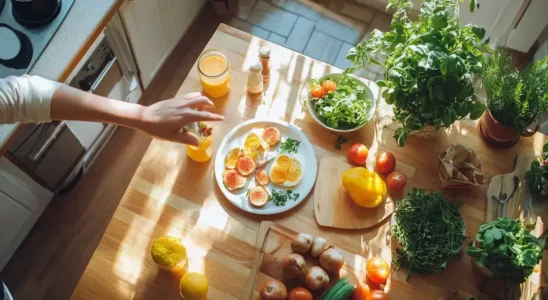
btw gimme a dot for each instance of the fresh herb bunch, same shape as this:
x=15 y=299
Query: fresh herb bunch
x=507 y=249
x=345 y=108
x=515 y=98
x=538 y=175
x=279 y=198
x=429 y=231
x=290 y=145
x=430 y=65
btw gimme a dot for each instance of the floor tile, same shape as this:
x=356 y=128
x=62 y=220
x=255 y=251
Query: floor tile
x=244 y=26
x=302 y=10
x=339 y=30
x=244 y=8
x=279 y=3
x=323 y=47
x=300 y=34
x=357 y=12
x=341 y=61
x=277 y=39
x=273 y=18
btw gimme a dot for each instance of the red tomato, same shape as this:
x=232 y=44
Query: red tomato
x=329 y=85
x=378 y=295
x=361 y=292
x=386 y=162
x=396 y=180
x=300 y=294
x=377 y=269
x=357 y=154
x=317 y=91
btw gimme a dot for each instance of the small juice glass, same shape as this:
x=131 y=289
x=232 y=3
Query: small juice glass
x=202 y=152
x=214 y=71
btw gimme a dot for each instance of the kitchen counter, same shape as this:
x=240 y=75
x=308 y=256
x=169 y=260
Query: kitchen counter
x=172 y=195
x=82 y=25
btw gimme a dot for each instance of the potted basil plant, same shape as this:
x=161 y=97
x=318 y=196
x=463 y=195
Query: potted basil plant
x=430 y=65
x=515 y=99
x=505 y=249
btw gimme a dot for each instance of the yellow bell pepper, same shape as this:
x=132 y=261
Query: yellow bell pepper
x=364 y=187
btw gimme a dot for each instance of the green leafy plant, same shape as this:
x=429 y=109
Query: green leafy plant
x=429 y=231
x=538 y=174
x=507 y=249
x=430 y=65
x=515 y=98
x=345 y=108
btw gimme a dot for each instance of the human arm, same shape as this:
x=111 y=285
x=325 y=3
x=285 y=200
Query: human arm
x=34 y=99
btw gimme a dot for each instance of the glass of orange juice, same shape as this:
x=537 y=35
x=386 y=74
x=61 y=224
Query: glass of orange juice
x=203 y=151
x=214 y=71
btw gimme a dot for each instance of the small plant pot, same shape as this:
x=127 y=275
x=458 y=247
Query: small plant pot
x=497 y=134
x=428 y=132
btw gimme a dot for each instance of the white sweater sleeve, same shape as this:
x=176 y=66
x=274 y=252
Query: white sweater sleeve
x=26 y=99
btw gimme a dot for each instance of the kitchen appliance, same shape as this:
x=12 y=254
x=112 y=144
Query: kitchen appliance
x=26 y=27
x=57 y=154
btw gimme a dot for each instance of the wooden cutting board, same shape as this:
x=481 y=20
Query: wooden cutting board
x=275 y=243
x=334 y=208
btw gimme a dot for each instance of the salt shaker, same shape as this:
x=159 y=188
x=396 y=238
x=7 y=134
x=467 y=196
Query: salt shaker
x=255 y=79
x=264 y=56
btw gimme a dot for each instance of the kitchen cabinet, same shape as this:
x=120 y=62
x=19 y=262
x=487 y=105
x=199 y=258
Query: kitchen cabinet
x=154 y=28
x=22 y=201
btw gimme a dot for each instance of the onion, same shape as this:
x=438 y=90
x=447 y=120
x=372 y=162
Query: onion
x=293 y=266
x=319 y=245
x=332 y=260
x=302 y=243
x=316 y=278
x=273 y=290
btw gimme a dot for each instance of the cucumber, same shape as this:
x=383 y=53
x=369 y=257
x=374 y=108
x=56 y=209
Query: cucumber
x=339 y=291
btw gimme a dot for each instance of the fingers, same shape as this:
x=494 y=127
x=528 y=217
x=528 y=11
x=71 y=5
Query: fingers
x=197 y=116
x=197 y=102
x=190 y=96
x=184 y=139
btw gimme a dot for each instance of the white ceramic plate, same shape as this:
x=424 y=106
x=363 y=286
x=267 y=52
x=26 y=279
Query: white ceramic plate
x=305 y=154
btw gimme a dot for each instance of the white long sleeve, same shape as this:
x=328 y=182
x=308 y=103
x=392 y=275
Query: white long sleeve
x=26 y=99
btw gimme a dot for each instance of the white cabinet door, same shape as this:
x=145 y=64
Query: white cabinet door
x=154 y=28
x=12 y=217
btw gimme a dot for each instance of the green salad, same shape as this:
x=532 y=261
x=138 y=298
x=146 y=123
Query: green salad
x=340 y=105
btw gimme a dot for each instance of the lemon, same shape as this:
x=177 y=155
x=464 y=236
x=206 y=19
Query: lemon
x=168 y=251
x=193 y=286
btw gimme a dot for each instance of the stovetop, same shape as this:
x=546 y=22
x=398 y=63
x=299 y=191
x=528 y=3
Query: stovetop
x=33 y=40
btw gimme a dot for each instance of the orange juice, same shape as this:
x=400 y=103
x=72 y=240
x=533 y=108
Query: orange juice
x=214 y=73
x=202 y=152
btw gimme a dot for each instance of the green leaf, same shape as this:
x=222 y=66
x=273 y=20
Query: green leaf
x=477 y=110
x=439 y=20
x=382 y=83
x=479 y=32
x=472 y=5
x=443 y=67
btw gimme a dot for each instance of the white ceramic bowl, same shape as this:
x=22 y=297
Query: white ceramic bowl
x=336 y=77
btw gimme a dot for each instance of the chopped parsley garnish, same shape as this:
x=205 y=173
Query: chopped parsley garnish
x=279 y=198
x=290 y=146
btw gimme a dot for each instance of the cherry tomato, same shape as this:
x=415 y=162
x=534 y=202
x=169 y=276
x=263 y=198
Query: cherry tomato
x=377 y=269
x=396 y=180
x=386 y=162
x=317 y=91
x=300 y=294
x=357 y=154
x=378 y=295
x=361 y=292
x=329 y=85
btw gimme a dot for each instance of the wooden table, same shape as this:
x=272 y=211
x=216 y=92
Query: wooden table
x=170 y=194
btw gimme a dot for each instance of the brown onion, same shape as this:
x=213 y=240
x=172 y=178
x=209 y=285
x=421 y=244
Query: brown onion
x=316 y=278
x=332 y=260
x=302 y=243
x=294 y=266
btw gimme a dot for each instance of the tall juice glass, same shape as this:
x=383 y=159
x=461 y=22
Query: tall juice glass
x=214 y=71
x=202 y=152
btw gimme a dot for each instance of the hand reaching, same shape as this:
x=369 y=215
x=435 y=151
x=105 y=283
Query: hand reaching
x=164 y=119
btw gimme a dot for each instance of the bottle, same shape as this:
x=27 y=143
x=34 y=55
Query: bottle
x=255 y=79
x=264 y=56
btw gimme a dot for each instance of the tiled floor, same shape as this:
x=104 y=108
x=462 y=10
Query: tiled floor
x=324 y=31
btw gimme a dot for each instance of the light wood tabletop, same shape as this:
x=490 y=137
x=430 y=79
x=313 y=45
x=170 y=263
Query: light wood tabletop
x=172 y=195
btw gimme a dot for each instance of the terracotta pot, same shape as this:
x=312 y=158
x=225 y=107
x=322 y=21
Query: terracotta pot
x=497 y=134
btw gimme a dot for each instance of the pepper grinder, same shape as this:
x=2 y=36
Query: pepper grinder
x=255 y=79
x=264 y=56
